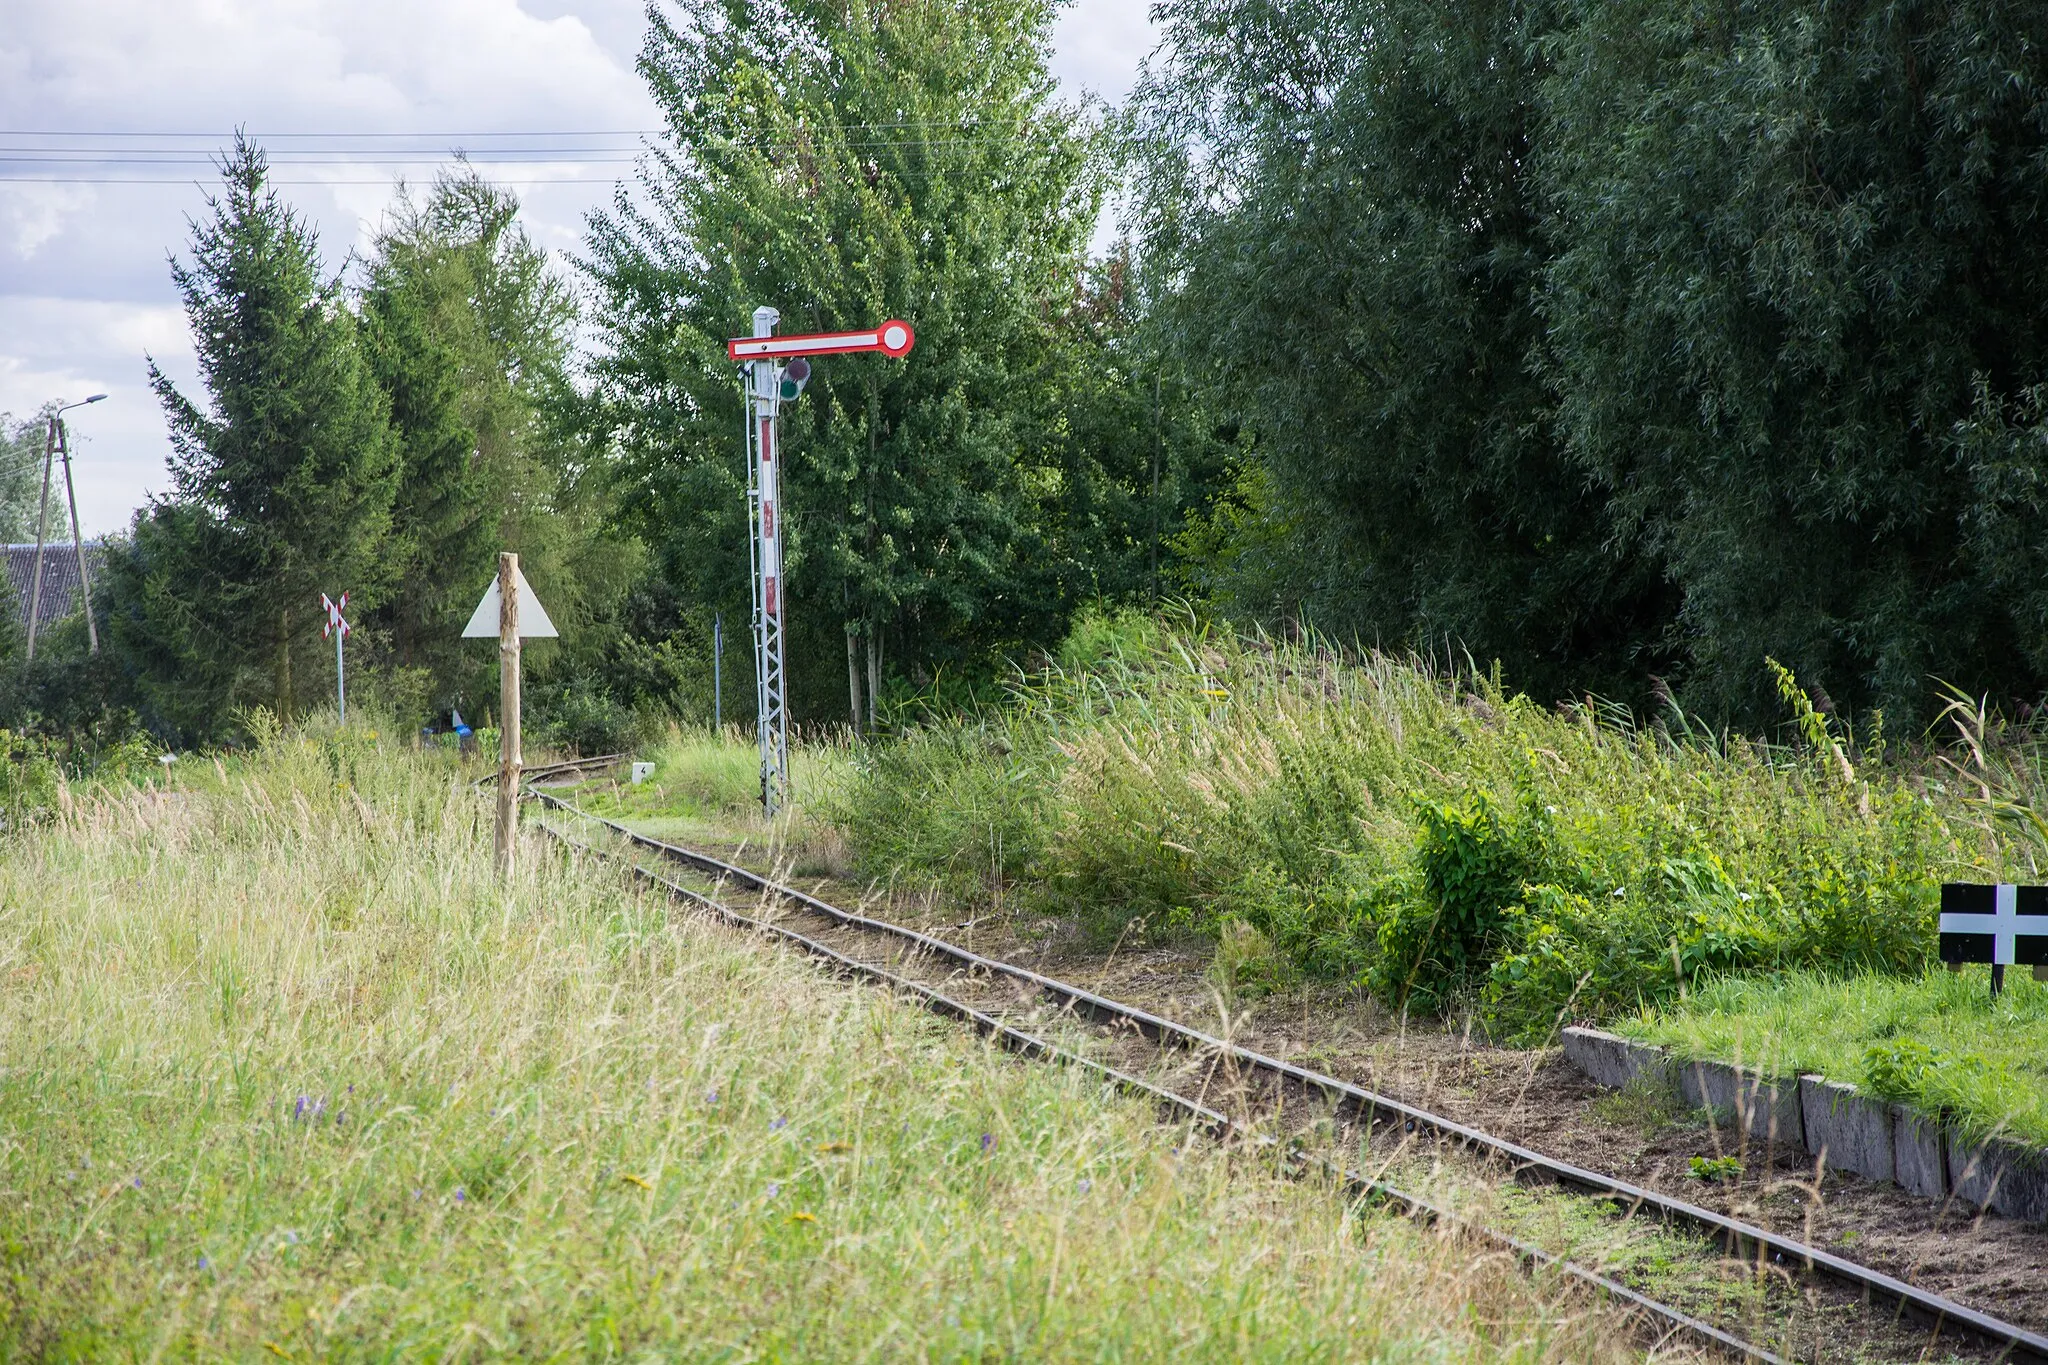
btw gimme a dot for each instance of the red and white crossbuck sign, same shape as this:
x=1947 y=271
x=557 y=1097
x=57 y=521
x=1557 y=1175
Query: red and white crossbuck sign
x=337 y=628
x=334 y=617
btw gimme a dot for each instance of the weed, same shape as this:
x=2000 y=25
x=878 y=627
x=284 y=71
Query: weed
x=1714 y=1170
x=1648 y=1108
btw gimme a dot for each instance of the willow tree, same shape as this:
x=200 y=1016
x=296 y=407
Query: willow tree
x=1797 y=254
x=1339 y=198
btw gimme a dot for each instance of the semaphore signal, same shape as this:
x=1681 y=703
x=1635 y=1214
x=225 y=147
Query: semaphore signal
x=768 y=385
x=892 y=338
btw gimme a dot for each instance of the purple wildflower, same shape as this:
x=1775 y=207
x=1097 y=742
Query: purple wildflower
x=711 y=1097
x=773 y=1189
x=136 y=1182
x=299 y=1109
x=460 y=1197
x=1087 y=1185
x=988 y=1141
x=778 y=1122
x=205 y=1264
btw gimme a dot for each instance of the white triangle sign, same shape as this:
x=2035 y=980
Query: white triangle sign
x=533 y=617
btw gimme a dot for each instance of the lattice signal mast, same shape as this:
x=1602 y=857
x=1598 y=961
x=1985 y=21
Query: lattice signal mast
x=773 y=371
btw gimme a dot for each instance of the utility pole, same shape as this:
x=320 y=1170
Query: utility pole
x=766 y=385
x=717 y=679
x=53 y=437
x=92 y=631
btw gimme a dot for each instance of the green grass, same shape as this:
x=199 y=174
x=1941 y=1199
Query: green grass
x=706 y=787
x=284 y=1075
x=1430 y=833
x=1938 y=1041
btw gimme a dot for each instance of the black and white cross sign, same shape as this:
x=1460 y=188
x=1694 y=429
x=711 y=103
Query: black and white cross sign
x=2005 y=925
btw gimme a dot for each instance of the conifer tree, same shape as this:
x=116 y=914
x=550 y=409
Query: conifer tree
x=469 y=332
x=281 y=486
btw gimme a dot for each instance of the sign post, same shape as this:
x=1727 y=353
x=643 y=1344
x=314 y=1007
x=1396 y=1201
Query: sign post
x=339 y=629
x=773 y=371
x=2004 y=925
x=510 y=611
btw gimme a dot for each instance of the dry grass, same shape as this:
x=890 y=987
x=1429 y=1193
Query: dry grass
x=283 y=1075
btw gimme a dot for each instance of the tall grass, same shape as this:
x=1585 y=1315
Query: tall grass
x=1421 y=829
x=284 y=1075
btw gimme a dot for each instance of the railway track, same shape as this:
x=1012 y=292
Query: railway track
x=1948 y=1324
x=567 y=767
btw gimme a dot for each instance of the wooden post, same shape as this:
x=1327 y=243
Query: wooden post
x=508 y=712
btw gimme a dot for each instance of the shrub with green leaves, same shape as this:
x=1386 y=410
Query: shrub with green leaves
x=1424 y=831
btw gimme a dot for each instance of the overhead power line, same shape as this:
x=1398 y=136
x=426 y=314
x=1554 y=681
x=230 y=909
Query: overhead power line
x=36 y=157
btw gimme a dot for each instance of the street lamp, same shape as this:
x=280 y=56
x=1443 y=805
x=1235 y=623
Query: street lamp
x=55 y=440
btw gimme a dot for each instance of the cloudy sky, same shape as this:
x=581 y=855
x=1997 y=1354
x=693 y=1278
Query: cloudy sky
x=110 y=108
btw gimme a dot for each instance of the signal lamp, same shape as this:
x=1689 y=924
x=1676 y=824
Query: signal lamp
x=795 y=375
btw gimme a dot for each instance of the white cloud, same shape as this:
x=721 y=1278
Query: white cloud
x=1097 y=45
x=84 y=289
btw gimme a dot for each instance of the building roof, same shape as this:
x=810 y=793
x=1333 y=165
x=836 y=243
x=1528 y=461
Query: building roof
x=60 y=577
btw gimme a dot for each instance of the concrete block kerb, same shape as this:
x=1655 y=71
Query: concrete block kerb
x=1765 y=1111
x=1846 y=1129
x=2000 y=1175
x=1919 y=1162
x=1614 y=1061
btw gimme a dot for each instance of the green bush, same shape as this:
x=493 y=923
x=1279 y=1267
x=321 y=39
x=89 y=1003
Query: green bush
x=953 y=807
x=1432 y=835
x=582 y=717
x=29 y=778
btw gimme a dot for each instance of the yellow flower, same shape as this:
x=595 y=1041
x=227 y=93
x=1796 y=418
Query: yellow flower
x=635 y=1180
x=801 y=1217
x=835 y=1146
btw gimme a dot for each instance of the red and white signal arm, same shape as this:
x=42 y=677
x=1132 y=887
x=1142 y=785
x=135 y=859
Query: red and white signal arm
x=892 y=338
x=334 y=617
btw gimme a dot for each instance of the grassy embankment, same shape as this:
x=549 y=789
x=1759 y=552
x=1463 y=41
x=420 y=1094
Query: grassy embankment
x=1937 y=1041
x=1452 y=846
x=283 y=1075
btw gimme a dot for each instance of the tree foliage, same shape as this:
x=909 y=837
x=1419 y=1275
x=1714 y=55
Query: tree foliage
x=469 y=331
x=1617 y=339
x=1343 y=195
x=281 y=487
x=23 y=448
x=1795 y=245
x=847 y=163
